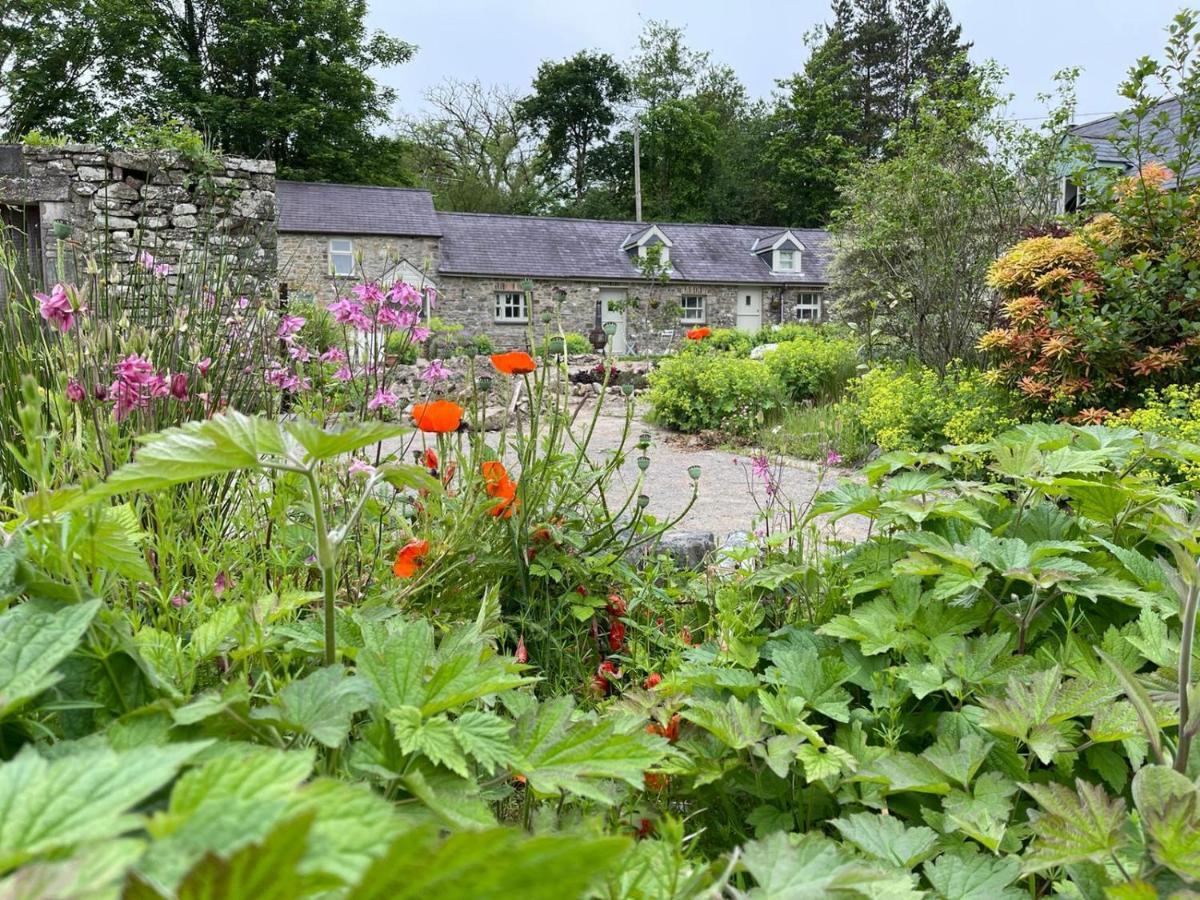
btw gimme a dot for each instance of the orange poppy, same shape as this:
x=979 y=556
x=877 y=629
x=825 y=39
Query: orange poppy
x=438 y=417
x=699 y=334
x=500 y=486
x=515 y=362
x=409 y=559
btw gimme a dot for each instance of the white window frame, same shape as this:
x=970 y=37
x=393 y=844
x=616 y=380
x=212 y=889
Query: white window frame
x=792 y=253
x=506 y=312
x=696 y=314
x=809 y=306
x=345 y=255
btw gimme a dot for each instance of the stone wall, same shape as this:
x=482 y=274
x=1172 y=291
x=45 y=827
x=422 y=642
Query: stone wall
x=651 y=309
x=304 y=262
x=105 y=205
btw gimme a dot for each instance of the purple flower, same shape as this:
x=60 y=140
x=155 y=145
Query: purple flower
x=179 y=386
x=56 y=308
x=333 y=354
x=180 y=600
x=75 y=392
x=435 y=372
x=134 y=370
x=289 y=326
x=221 y=583
x=358 y=467
x=368 y=293
x=150 y=264
x=344 y=374
x=761 y=467
x=381 y=398
x=299 y=352
x=833 y=459
x=420 y=334
x=203 y=366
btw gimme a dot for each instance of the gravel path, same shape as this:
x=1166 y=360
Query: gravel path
x=725 y=503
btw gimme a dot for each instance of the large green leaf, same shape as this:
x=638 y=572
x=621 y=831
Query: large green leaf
x=321 y=705
x=225 y=443
x=964 y=875
x=500 y=862
x=94 y=871
x=799 y=867
x=49 y=805
x=1073 y=826
x=35 y=637
x=319 y=444
x=1167 y=804
x=555 y=753
x=888 y=839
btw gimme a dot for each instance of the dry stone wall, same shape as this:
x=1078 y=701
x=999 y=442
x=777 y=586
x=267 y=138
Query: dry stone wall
x=112 y=204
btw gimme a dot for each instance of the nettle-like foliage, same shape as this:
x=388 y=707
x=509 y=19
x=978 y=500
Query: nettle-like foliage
x=1098 y=312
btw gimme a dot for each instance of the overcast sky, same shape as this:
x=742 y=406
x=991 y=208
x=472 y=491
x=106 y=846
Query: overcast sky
x=503 y=42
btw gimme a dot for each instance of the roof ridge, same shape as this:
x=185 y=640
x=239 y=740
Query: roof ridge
x=627 y=222
x=343 y=184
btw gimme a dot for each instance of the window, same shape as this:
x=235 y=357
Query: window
x=341 y=257
x=510 y=307
x=691 y=310
x=808 y=306
x=786 y=261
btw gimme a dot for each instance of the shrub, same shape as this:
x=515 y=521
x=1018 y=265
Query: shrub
x=813 y=367
x=576 y=344
x=917 y=409
x=815 y=432
x=696 y=392
x=1173 y=412
x=722 y=340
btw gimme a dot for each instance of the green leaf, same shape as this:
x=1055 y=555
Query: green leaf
x=1030 y=713
x=53 y=804
x=395 y=665
x=486 y=737
x=269 y=869
x=800 y=867
x=735 y=724
x=93 y=870
x=888 y=839
x=35 y=637
x=983 y=813
x=825 y=762
x=209 y=634
x=500 y=862
x=901 y=771
x=227 y=442
x=454 y=799
x=320 y=444
x=966 y=875
x=320 y=705
x=1073 y=826
x=433 y=737
x=555 y=753
x=1167 y=803
x=958 y=757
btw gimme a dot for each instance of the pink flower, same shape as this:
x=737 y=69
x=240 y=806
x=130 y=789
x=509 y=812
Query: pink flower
x=420 y=334
x=75 y=392
x=56 y=308
x=243 y=302
x=134 y=370
x=368 y=293
x=391 y=318
x=833 y=459
x=203 y=366
x=289 y=326
x=333 y=354
x=180 y=600
x=431 y=294
x=435 y=372
x=179 y=386
x=299 y=352
x=221 y=583
x=158 y=386
x=150 y=264
x=381 y=398
x=404 y=294
x=358 y=467
x=344 y=374
x=761 y=467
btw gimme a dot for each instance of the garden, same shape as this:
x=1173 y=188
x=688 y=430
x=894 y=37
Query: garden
x=291 y=606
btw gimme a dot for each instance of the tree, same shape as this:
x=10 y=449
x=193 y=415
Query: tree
x=474 y=151
x=920 y=229
x=572 y=108
x=284 y=79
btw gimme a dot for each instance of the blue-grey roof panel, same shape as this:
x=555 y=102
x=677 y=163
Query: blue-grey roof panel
x=549 y=247
x=323 y=208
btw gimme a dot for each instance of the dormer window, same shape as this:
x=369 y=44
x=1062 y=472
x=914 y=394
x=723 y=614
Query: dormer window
x=786 y=260
x=782 y=251
x=651 y=246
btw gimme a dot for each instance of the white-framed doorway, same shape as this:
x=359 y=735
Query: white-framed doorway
x=749 y=308
x=612 y=309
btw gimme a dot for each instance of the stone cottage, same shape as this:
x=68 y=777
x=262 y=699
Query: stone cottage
x=499 y=274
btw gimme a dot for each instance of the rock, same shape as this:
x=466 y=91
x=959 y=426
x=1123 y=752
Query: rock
x=183 y=221
x=184 y=209
x=762 y=350
x=688 y=549
x=92 y=173
x=118 y=191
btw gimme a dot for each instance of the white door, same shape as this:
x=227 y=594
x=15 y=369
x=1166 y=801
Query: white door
x=749 y=309
x=612 y=309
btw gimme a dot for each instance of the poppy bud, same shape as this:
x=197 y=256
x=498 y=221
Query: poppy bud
x=521 y=654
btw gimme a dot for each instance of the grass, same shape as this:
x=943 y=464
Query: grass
x=813 y=432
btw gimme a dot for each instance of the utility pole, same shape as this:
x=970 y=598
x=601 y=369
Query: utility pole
x=637 y=171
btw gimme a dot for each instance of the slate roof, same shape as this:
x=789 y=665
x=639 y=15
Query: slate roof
x=590 y=249
x=1101 y=133
x=322 y=208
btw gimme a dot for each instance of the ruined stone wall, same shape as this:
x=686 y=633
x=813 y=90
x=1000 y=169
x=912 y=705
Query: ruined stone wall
x=105 y=206
x=304 y=262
